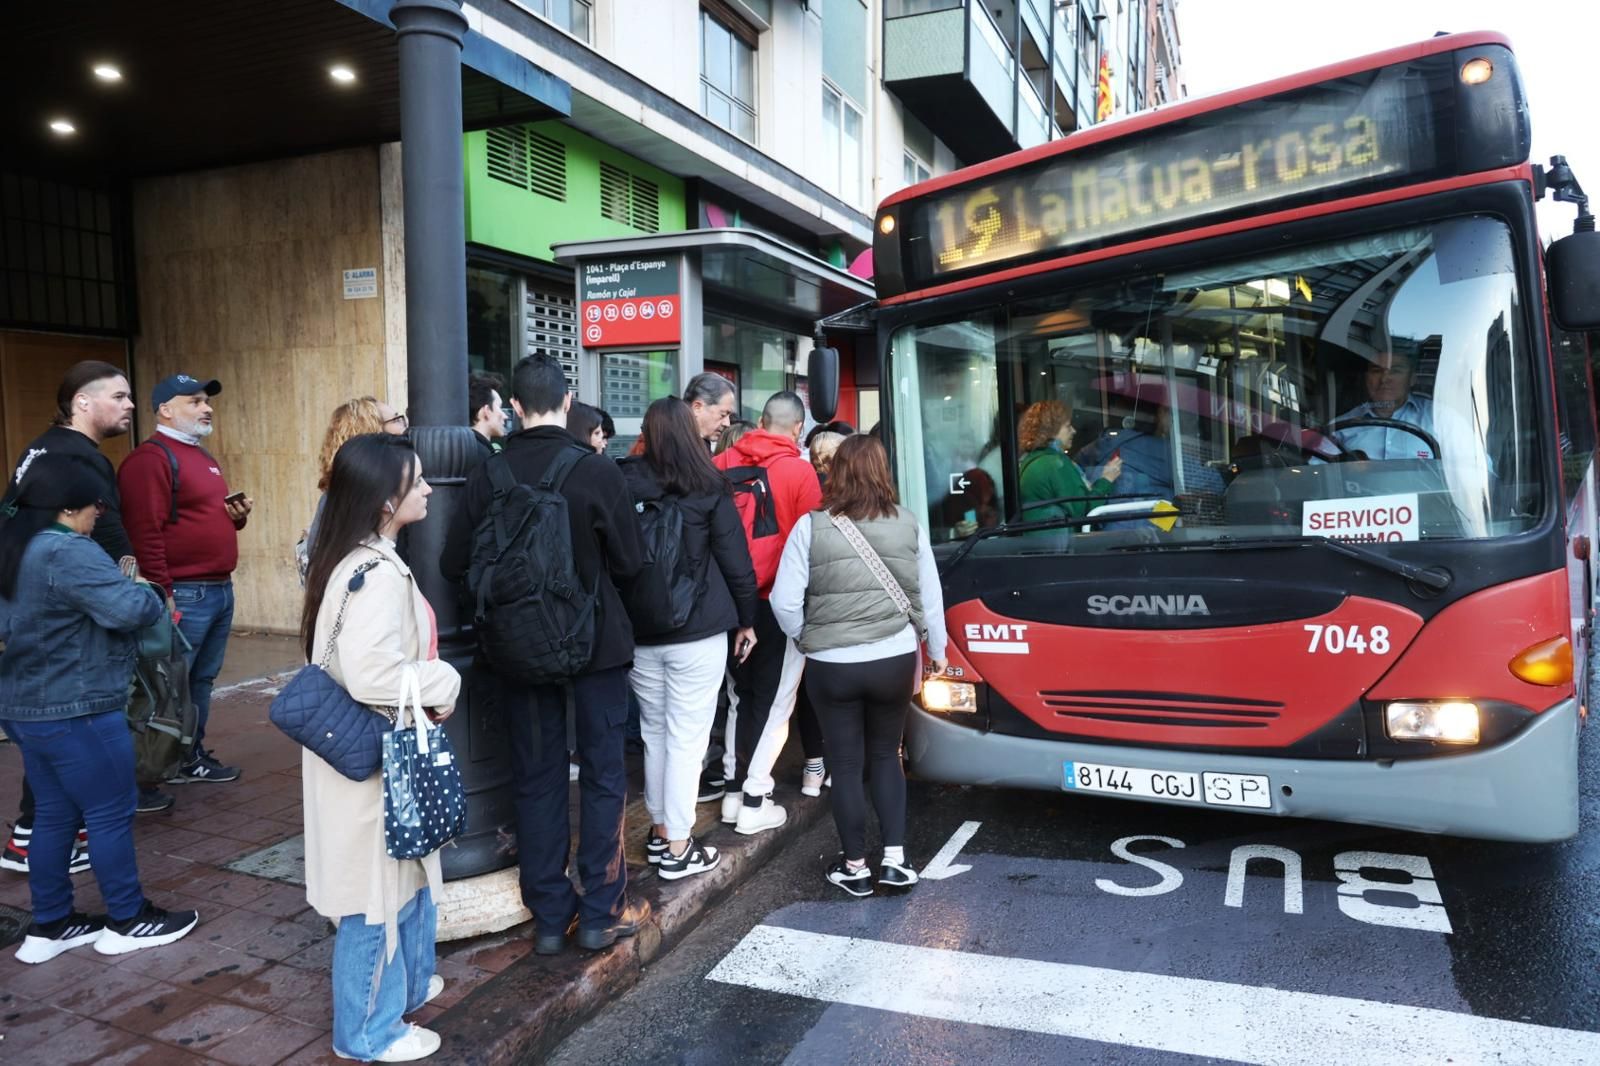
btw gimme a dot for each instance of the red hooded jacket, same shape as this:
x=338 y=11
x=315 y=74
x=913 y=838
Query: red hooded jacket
x=795 y=492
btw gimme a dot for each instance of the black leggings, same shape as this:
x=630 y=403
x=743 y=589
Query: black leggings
x=862 y=709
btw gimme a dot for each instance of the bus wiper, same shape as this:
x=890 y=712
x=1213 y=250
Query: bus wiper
x=1059 y=521
x=1433 y=578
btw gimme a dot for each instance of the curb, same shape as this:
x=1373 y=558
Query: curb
x=524 y=1012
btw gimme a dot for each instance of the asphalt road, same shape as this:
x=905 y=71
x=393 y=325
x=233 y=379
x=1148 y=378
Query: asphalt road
x=1052 y=937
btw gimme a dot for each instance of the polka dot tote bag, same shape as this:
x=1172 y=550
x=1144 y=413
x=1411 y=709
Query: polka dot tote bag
x=424 y=805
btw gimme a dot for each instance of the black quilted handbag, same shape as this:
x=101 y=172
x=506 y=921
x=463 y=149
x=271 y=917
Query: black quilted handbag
x=318 y=714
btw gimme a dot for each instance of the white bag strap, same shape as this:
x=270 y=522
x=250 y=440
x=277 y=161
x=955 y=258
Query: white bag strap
x=411 y=701
x=854 y=538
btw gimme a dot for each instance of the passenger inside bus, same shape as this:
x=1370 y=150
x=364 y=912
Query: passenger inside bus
x=1144 y=444
x=1052 y=485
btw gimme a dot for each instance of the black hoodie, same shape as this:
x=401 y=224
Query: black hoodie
x=108 y=531
x=713 y=540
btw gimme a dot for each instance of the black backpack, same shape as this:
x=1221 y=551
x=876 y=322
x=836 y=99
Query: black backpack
x=534 y=619
x=752 y=495
x=663 y=596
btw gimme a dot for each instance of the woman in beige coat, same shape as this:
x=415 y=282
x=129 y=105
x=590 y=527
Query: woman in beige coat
x=383 y=955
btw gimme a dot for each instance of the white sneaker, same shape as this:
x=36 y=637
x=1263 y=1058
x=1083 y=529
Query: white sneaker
x=731 y=802
x=435 y=986
x=754 y=820
x=811 y=782
x=418 y=1043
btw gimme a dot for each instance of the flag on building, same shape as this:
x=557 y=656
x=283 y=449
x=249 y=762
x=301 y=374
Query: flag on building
x=1102 y=107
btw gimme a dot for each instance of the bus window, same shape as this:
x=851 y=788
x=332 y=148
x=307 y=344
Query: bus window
x=947 y=444
x=1258 y=397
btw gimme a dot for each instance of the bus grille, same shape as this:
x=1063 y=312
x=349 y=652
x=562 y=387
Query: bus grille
x=1163 y=709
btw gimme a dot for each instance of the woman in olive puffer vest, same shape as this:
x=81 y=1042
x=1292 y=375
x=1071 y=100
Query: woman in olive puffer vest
x=856 y=610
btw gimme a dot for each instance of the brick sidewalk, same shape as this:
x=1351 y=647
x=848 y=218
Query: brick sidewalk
x=250 y=984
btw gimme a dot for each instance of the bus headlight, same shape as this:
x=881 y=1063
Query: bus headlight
x=949 y=697
x=1447 y=721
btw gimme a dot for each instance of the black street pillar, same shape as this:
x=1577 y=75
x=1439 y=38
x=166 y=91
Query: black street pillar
x=429 y=34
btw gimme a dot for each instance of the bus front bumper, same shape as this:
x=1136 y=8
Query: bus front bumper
x=1524 y=789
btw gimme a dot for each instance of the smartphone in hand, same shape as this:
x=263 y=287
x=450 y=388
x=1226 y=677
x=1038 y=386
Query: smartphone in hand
x=233 y=499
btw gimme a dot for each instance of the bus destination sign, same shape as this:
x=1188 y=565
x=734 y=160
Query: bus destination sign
x=1327 y=138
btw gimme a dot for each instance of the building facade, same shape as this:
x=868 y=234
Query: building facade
x=653 y=188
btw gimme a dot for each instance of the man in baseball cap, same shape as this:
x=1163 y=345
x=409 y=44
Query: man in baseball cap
x=168 y=389
x=184 y=524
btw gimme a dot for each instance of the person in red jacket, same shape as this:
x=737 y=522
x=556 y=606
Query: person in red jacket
x=185 y=526
x=773 y=487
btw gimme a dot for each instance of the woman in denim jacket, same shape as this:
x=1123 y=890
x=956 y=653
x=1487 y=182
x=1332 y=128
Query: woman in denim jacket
x=67 y=617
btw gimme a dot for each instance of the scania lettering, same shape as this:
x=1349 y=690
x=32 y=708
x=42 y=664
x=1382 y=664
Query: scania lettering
x=1347 y=566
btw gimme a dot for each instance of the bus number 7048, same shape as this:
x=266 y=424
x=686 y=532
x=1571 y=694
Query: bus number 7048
x=1336 y=640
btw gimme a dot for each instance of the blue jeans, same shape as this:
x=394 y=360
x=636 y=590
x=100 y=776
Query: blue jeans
x=207 y=617
x=371 y=994
x=81 y=772
x=538 y=735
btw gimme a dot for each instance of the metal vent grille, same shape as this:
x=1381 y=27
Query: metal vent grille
x=629 y=199
x=1164 y=709
x=529 y=160
x=614 y=194
x=552 y=325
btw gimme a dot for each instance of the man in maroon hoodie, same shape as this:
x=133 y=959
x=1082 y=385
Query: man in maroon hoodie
x=185 y=526
x=773 y=486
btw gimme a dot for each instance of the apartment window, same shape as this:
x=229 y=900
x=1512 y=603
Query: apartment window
x=570 y=15
x=916 y=170
x=841 y=144
x=728 y=73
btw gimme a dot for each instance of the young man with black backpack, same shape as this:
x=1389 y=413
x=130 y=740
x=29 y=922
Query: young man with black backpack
x=772 y=487
x=539 y=634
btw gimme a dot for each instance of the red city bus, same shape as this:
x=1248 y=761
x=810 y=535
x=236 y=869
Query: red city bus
x=1345 y=569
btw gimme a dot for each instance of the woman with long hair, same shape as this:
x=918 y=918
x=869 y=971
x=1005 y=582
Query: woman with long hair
x=67 y=619
x=677 y=672
x=364 y=414
x=360 y=588
x=1052 y=485
x=856 y=586
x=587 y=425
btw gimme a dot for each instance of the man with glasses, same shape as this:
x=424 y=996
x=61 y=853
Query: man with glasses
x=1388 y=379
x=711 y=400
x=184 y=524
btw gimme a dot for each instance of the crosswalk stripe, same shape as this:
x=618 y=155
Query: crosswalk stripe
x=1179 y=1014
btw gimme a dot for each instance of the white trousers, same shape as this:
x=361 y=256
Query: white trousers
x=758 y=777
x=676 y=685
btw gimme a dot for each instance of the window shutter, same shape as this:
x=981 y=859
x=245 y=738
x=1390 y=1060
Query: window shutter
x=529 y=160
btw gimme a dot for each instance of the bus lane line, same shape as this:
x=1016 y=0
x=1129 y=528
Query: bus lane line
x=943 y=865
x=1243 y=1023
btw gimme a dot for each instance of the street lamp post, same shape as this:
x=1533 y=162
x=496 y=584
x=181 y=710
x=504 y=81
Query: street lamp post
x=429 y=36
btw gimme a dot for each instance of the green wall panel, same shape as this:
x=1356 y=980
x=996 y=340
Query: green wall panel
x=501 y=215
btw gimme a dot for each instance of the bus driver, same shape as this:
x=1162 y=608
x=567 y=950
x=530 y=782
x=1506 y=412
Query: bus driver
x=1388 y=381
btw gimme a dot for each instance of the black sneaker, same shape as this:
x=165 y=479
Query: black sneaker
x=896 y=875
x=696 y=859
x=712 y=783
x=152 y=800
x=15 y=855
x=150 y=928
x=203 y=767
x=654 y=847
x=45 y=942
x=857 y=882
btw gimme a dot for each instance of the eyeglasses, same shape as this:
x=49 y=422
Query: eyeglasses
x=404 y=422
x=100 y=508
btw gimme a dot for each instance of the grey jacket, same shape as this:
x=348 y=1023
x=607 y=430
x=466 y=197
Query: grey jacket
x=69 y=631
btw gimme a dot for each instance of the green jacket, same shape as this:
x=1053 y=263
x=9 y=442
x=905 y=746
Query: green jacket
x=1047 y=474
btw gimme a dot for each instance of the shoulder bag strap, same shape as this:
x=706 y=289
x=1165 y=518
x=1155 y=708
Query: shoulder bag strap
x=853 y=537
x=357 y=579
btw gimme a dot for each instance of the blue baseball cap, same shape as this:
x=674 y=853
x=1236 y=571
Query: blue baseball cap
x=181 y=385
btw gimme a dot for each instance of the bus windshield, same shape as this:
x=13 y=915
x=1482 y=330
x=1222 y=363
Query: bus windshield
x=1374 y=390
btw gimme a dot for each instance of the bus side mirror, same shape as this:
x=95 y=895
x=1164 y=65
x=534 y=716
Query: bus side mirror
x=822 y=378
x=1572 y=267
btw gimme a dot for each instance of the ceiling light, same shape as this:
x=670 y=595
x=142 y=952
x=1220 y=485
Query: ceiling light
x=107 y=72
x=342 y=74
x=63 y=127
